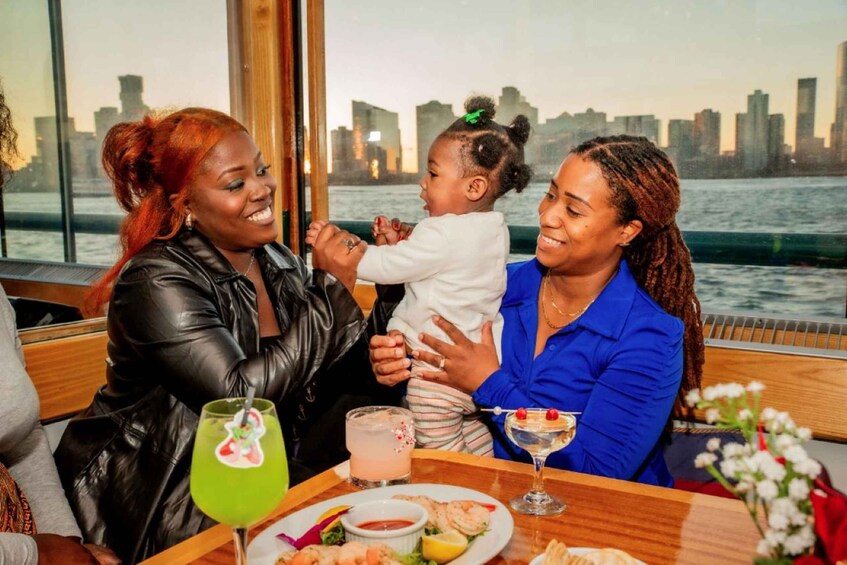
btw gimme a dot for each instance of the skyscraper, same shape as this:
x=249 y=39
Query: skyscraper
x=104 y=119
x=776 y=142
x=376 y=139
x=132 y=106
x=432 y=118
x=646 y=126
x=511 y=103
x=806 y=94
x=752 y=137
x=681 y=140
x=707 y=133
x=839 y=127
x=342 y=151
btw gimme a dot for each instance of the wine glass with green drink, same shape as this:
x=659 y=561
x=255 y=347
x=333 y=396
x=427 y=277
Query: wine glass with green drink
x=239 y=471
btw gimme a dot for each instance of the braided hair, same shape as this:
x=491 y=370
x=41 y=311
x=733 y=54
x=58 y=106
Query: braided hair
x=489 y=149
x=645 y=187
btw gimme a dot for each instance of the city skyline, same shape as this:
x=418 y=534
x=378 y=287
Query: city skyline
x=668 y=58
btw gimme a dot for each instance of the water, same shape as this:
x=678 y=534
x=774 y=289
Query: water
x=787 y=205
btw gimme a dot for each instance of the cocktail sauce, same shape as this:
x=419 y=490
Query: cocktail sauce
x=384 y=525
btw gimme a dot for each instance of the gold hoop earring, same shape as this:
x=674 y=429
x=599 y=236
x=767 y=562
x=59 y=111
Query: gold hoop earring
x=625 y=244
x=189 y=222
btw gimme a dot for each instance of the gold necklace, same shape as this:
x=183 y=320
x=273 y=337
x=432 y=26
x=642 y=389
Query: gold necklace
x=574 y=315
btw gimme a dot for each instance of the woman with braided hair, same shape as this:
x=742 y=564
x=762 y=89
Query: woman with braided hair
x=454 y=262
x=604 y=320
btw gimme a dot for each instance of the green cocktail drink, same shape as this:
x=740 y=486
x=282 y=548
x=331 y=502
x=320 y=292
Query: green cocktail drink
x=239 y=471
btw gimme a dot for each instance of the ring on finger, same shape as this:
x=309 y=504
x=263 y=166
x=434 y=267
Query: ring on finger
x=350 y=244
x=441 y=363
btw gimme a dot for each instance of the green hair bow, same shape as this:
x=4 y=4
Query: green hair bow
x=473 y=117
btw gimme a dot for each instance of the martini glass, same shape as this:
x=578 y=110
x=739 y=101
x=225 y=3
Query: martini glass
x=239 y=472
x=539 y=436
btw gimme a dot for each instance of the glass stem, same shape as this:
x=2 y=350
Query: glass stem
x=538 y=477
x=239 y=536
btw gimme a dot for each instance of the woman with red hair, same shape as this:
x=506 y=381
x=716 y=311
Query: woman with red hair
x=204 y=304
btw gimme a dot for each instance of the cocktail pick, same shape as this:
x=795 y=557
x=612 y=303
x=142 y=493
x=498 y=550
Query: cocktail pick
x=497 y=411
x=248 y=404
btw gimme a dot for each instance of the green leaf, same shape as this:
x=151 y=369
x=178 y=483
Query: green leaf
x=334 y=536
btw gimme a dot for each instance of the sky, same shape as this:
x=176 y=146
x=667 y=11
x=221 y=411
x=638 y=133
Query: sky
x=670 y=58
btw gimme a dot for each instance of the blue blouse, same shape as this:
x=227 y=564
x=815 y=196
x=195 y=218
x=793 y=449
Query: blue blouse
x=620 y=364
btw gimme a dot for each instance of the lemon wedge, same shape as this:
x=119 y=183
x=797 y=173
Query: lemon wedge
x=445 y=547
x=330 y=512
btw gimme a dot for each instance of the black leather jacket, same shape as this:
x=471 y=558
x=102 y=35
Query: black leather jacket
x=183 y=330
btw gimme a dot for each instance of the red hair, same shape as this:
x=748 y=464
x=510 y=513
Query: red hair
x=151 y=163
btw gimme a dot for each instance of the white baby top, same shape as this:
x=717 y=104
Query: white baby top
x=453 y=266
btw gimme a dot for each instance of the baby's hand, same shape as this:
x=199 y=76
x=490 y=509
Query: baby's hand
x=389 y=232
x=313 y=231
x=383 y=231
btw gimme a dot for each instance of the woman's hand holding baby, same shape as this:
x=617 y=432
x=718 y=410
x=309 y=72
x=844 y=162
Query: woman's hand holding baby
x=464 y=365
x=336 y=251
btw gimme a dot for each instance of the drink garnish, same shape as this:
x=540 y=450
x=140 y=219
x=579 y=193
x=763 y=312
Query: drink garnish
x=552 y=414
x=520 y=414
x=497 y=410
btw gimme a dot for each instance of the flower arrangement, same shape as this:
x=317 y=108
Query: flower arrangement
x=770 y=472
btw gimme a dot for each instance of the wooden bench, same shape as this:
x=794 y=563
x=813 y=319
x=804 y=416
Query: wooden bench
x=67 y=365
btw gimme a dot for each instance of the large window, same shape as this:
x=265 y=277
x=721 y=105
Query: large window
x=121 y=60
x=748 y=98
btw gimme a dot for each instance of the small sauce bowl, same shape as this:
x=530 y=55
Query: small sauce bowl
x=402 y=540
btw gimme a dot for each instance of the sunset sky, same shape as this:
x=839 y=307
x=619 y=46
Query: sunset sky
x=670 y=58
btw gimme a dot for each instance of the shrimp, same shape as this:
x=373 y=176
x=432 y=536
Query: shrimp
x=352 y=553
x=468 y=517
x=311 y=555
x=381 y=555
x=429 y=505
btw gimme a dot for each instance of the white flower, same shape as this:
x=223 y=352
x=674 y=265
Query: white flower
x=795 y=453
x=712 y=392
x=744 y=415
x=733 y=449
x=693 y=397
x=808 y=467
x=804 y=434
x=778 y=521
x=767 y=490
x=712 y=415
x=799 y=519
x=796 y=545
x=713 y=444
x=784 y=441
x=798 y=489
x=768 y=414
x=728 y=467
x=775 y=537
x=733 y=390
x=705 y=459
x=755 y=386
x=763 y=548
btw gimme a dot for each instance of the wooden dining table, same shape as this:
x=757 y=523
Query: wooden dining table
x=654 y=524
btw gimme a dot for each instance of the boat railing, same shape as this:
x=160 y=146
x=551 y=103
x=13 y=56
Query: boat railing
x=828 y=250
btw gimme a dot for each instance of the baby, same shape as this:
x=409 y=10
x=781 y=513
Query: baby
x=454 y=262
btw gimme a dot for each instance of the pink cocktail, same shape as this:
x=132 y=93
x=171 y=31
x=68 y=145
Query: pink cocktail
x=380 y=440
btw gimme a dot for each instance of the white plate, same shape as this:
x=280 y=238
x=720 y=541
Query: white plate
x=574 y=551
x=266 y=547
